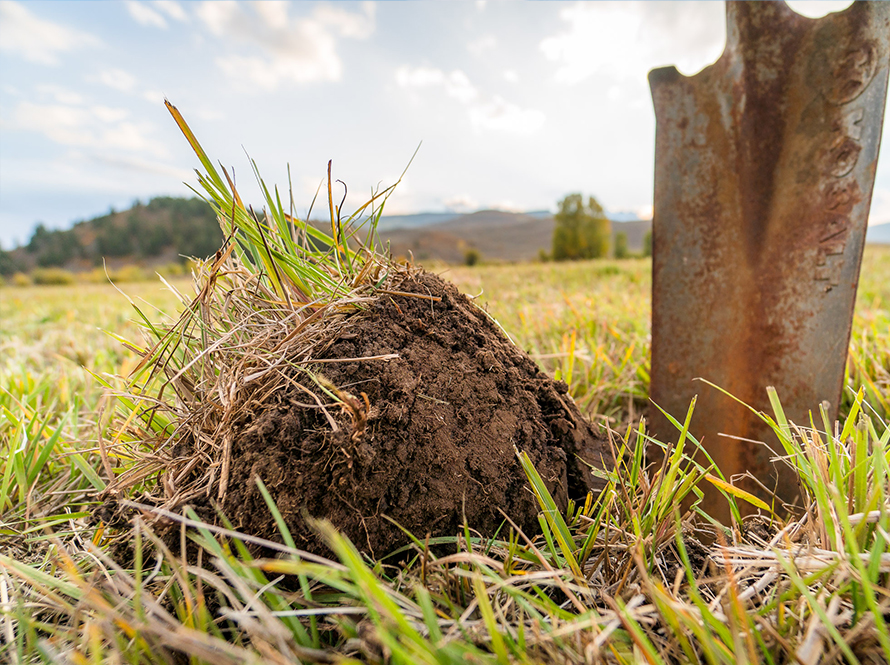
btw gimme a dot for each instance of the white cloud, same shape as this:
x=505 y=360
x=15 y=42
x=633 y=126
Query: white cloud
x=465 y=203
x=348 y=24
x=626 y=40
x=419 y=76
x=144 y=166
x=172 y=9
x=209 y=113
x=511 y=75
x=268 y=74
x=818 y=8
x=153 y=96
x=481 y=46
x=109 y=115
x=508 y=206
x=644 y=212
x=218 y=15
x=461 y=203
x=37 y=40
x=501 y=115
x=880 y=207
x=123 y=81
x=79 y=172
x=118 y=79
x=273 y=13
x=100 y=128
x=59 y=93
x=151 y=13
x=456 y=84
x=145 y=15
x=485 y=112
x=284 y=49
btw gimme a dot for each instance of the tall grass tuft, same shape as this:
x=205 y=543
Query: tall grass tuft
x=278 y=292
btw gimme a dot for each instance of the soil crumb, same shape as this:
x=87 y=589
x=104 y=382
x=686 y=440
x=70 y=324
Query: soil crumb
x=428 y=439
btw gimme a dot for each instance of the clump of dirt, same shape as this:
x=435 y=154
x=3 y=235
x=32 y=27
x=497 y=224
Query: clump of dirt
x=426 y=439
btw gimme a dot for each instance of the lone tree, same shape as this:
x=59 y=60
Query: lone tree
x=621 y=250
x=582 y=231
x=647 y=244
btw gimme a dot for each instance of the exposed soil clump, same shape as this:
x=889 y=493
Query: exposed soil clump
x=428 y=437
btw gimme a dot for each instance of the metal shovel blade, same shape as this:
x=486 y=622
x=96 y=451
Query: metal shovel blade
x=764 y=169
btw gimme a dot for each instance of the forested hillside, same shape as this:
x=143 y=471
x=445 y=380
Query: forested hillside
x=163 y=230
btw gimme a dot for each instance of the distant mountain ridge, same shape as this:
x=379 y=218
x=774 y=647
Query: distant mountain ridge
x=417 y=220
x=166 y=228
x=413 y=221
x=496 y=235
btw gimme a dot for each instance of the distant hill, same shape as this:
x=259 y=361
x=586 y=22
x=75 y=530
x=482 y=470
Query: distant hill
x=158 y=232
x=391 y=222
x=495 y=234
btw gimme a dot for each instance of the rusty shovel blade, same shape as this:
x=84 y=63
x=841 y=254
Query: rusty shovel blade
x=764 y=169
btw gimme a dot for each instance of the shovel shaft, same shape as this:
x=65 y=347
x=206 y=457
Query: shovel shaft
x=764 y=170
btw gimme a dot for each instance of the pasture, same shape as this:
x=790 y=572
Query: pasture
x=620 y=579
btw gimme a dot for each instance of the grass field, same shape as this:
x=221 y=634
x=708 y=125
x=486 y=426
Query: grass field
x=496 y=601
x=50 y=335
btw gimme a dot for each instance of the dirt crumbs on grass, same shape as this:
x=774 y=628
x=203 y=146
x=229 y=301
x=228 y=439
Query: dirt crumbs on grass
x=427 y=437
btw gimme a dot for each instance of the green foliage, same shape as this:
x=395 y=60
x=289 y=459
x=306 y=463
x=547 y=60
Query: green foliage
x=172 y=270
x=187 y=226
x=102 y=222
x=149 y=239
x=647 y=244
x=54 y=248
x=621 y=251
x=53 y=277
x=472 y=256
x=9 y=265
x=582 y=229
x=129 y=274
x=115 y=241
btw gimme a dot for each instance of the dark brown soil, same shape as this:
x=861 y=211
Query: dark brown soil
x=436 y=444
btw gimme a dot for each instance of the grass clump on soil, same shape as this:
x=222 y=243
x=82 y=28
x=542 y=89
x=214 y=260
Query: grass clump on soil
x=359 y=390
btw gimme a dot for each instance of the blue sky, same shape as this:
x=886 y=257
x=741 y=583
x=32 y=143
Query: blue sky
x=516 y=103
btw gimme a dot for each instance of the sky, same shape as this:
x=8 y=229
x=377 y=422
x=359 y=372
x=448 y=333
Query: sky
x=515 y=103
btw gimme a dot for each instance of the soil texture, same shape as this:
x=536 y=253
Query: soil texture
x=429 y=437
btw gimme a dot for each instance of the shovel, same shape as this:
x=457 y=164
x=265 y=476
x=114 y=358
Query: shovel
x=764 y=169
